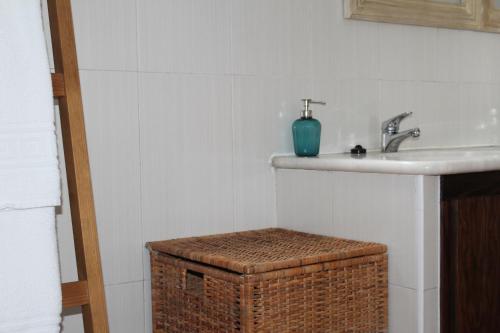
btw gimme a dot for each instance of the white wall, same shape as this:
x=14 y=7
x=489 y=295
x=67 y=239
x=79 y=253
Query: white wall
x=185 y=101
x=401 y=211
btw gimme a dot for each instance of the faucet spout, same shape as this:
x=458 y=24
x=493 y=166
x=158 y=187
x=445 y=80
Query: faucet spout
x=393 y=141
x=392 y=125
x=392 y=137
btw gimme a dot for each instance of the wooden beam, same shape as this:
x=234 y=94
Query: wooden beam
x=58 y=85
x=75 y=294
x=81 y=199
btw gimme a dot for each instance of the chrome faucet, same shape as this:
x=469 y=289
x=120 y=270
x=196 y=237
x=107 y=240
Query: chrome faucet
x=391 y=137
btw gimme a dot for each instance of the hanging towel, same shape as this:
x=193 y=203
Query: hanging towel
x=30 y=295
x=29 y=174
x=30 y=290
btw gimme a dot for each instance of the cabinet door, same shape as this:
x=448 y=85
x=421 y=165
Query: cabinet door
x=470 y=253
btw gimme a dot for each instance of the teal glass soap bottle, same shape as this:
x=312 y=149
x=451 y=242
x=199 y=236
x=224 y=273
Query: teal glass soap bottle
x=307 y=131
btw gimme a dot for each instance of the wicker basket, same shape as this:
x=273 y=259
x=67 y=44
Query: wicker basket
x=271 y=280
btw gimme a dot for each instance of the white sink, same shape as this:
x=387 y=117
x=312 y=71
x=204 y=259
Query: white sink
x=413 y=162
x=452 y=154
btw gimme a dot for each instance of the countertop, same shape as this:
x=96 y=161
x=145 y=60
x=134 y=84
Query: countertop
x=433 y=162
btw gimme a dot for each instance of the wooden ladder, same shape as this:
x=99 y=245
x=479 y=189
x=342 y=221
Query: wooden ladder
x=88 y=291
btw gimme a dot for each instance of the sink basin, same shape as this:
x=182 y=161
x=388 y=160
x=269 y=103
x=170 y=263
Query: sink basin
x=452 y=154
x=412 y=162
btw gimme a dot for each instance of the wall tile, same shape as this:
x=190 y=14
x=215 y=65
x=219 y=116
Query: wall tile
x=476 y=57
x=329 y=198
x=448 y=50
x=359 y=109
x=437 y=104
x=146 y=261
x=367 y=50
x=401 y=229
x=400 y=96
x=431 y=216
x=402 y=310
x=479 y=105
x=435 y=107
x=106 y=34
x=332 y=132
x=351 y=115
x=148 y=316
x=344 y=49
x=305 y=201
x=494 y=113
x=438 y=115
x=371 y=222
x=494 y=46
x=72 y=323
x=407 y=52
x=186 y=154
x=65 y=242
x=325 y=20
x=188 y=36
x=126 y=307
x=271 y=37
x=264 y=110
x=110 y=102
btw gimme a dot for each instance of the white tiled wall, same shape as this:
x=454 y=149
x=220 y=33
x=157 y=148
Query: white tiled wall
x=113 y=139
x=370 y=71
x=401 y=211
x=185 y=101
x=350 y=205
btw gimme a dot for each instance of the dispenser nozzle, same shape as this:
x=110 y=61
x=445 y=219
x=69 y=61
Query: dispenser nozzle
x=307 y=113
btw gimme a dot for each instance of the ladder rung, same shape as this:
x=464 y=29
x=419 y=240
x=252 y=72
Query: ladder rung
x=58 y=85
x=75 y=294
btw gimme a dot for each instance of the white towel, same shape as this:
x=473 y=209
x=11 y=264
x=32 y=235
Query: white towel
x=30 y=290
x=29 y=174
x=30 y=295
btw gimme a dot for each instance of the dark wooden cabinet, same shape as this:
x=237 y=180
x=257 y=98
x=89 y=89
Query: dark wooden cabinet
x=470 y=253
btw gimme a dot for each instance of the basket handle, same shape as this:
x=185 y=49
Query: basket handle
x=191 y=281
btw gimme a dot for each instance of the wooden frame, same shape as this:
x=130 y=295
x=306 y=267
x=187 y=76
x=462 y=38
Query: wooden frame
x=479 y=15
x=492 y=16
x=88 y=291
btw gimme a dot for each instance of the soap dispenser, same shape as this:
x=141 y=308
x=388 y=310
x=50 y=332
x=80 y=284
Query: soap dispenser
x=307 y=131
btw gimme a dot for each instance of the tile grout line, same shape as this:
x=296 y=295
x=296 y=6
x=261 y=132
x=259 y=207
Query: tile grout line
x=123 y=283
x=288 y=76
x=420 y=234
x=138 y=108
x=233 y=118
x=138 y=90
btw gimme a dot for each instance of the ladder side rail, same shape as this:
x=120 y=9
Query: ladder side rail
x=77 y=167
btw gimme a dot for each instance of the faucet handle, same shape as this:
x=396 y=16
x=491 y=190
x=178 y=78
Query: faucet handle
x=392 y=125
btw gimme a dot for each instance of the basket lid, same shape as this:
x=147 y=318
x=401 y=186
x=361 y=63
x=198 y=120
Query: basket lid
x=265 y=250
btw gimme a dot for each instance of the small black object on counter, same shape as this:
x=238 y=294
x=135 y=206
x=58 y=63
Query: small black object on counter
x=358 y=150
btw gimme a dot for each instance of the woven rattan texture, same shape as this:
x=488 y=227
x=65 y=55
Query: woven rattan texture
x=209 y=305
x=348 y=297
x=265 y=250
x=268 y=281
